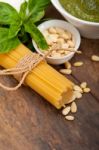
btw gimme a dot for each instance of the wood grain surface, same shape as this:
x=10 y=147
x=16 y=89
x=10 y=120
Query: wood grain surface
x=29 y=122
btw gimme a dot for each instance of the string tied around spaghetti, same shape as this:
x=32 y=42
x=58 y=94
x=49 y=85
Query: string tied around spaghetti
x=21 y=70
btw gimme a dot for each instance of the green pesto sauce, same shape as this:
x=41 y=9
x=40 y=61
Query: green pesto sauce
x=83 y=9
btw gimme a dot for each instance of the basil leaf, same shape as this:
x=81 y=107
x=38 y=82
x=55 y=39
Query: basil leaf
x=37 y=16
x=8 y=33
x=13 y=30
x=36 y=7
x=23 y=10
x=9 y=45
x=36 y=35
x=8 y=15
x=3 y=34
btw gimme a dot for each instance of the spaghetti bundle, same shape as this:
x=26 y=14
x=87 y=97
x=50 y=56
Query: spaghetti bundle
x=45 y=80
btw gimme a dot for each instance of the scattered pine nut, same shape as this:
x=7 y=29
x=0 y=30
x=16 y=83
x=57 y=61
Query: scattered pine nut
x=79 y=52
x=73 y=98
x=68 y=65
x=95 y=58
x=87 y=90
x=78 y=64
x=66 y=110
x=78 y=95
x=63 y=71
x=77 y=88
x=73 y=107
x=66 y=71
x=83 y=85
x=70 y=118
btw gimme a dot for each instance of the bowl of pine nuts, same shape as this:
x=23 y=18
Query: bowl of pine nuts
x=62 y=38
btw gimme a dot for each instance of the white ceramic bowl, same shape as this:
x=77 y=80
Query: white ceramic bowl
x=67 y=26
x=87 y=29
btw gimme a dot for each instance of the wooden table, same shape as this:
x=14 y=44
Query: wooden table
x=28 y=122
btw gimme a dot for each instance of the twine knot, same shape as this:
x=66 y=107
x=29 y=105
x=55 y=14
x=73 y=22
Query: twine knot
x=22 y=69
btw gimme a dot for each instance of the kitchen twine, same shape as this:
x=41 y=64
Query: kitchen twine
x=24 y=67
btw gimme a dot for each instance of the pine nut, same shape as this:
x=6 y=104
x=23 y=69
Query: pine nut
x=65 y=37
x=68 y=65
x=53 y=52
x=83 y=85
x=60 y=30
x=69 y=118
x=87 y=90
x=56 y=55
x=73 y=98
x=60 y=41
x=67 y=52
x=66 y=110
x=77 y=88
x=95 y=58
x=52 y=30
x=66 y=71
x=78 y=95
x=78 y=64
x=69 y=34
x=79 y=52
x=71 y=43
x=64 y=46
x=49 y=40
x=73 y=107
x=45 y=33
x=61 y=52
x=53 y=37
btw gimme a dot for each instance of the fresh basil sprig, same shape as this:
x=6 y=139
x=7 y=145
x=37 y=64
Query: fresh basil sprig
x=14 y=25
